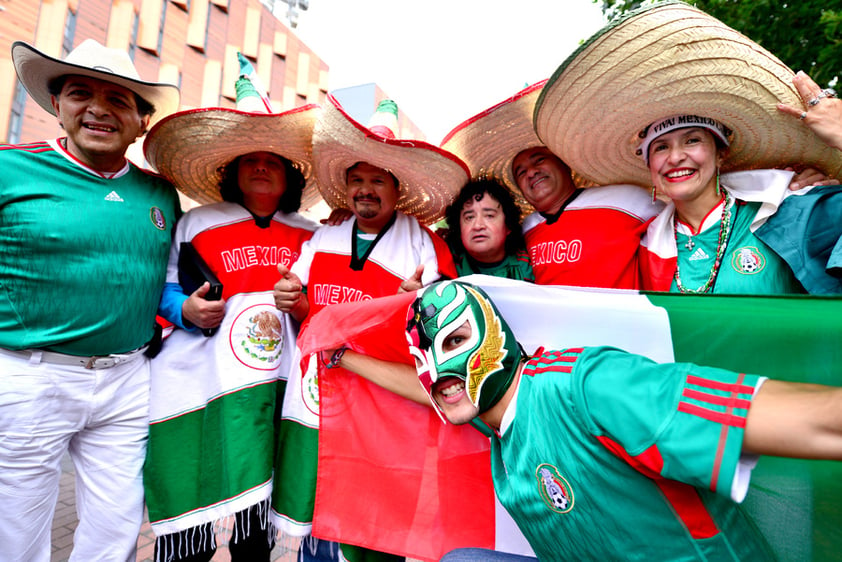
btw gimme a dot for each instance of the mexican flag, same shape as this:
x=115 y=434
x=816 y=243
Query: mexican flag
x=393 y=477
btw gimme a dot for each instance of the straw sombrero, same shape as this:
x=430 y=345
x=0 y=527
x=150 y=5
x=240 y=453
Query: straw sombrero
x=191 y=147
x=429 y=176
x=666 y=60
x=490 y=140
x=36 y=70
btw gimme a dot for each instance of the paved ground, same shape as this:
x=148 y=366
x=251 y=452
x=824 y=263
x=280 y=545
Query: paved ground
x=65 y=522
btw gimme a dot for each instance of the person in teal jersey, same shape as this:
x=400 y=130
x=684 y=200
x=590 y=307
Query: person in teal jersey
x=590 y=445
x=84 y=240
x=705 y=241
x=684 y=119
x=806 y=230
x=484 y=232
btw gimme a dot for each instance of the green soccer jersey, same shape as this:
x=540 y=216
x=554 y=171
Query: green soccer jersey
x=82 y=257
x=748 y=266
x=610 y=456
x=515 y=267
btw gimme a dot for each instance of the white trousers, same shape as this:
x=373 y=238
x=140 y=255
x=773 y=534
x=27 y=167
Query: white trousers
x=101 y=418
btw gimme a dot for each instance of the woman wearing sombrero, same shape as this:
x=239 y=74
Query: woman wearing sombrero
x=703 y=242
x=213 y=393
x=672 y=98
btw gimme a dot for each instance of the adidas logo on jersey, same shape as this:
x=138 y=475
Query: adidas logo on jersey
x=699 y=254
x=113 y=197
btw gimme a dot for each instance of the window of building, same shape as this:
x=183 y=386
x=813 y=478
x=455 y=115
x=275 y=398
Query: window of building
x=133 y=38
x=161 y=27
x=197 y=26
x=69 y=33
x=207 y=26
x=16 y=117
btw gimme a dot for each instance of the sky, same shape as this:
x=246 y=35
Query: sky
x=445 y=61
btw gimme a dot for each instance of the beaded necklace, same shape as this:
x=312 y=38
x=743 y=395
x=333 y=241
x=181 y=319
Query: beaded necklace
x=721 y=244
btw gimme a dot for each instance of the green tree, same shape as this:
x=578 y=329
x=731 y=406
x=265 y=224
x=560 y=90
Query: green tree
x=805 y=34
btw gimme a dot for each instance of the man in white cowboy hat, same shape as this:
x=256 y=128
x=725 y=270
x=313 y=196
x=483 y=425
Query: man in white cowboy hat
x=581 y=237
x=84 y=239
x=391 y=186
x=213 y=399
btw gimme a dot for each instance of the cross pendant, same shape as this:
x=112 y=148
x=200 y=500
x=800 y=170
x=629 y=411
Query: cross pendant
x=690 y=244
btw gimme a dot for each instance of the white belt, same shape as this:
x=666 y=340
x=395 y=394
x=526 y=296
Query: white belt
x=36 y=356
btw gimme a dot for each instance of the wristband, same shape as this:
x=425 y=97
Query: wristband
x=336 y=357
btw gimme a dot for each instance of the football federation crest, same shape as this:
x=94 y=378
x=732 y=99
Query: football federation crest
x=554 y=489
x=748 y=260
x=158 y=218
x=257 y=337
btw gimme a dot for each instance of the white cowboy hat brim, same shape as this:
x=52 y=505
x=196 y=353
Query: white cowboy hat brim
x=189 y=148
x=36 y=70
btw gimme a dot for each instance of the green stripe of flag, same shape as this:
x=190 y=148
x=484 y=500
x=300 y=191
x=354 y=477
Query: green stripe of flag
x=212 y=454
x=796 y=504
x=797 y=338
x=293 y=495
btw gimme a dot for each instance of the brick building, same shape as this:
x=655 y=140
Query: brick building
x=191 y=43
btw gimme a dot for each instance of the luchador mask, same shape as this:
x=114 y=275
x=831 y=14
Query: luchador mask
x=487 y=361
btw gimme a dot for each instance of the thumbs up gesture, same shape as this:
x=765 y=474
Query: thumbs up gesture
x=412 y=283
x=289 y=294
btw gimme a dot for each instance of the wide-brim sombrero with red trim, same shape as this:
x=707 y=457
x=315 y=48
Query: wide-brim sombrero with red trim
x=429 y=177
x=672 y=59
x=190 y=148
x=490 y=140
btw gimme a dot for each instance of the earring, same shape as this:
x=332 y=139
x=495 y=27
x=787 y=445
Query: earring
x=718 y=186
x=654 y=194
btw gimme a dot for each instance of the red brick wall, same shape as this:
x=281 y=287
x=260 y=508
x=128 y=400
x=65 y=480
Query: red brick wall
x=20 y=21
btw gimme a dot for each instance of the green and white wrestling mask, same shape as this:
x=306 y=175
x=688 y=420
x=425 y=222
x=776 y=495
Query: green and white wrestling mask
x=487 y=361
